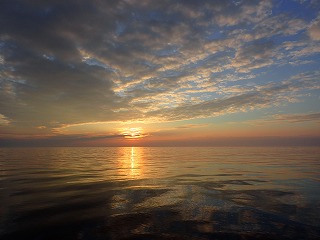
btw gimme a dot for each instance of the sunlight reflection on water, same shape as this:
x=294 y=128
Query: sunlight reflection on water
x=183 y=193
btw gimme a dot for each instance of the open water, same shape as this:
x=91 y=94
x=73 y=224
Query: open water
x=159 y=193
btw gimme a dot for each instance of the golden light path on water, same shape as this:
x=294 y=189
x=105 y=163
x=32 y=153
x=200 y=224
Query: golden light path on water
x=130 y=164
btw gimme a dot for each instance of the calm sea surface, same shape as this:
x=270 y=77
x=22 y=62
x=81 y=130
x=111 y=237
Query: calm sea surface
x=159 y=193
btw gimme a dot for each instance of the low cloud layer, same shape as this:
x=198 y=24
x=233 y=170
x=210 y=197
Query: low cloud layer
x=75 y=61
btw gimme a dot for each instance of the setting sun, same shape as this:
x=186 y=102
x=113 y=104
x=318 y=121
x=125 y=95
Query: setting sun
x=132 y=133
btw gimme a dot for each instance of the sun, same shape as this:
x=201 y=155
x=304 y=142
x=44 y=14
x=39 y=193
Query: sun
x=132 y=133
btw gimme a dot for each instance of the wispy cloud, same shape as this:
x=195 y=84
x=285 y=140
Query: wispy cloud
x=314 y=29
x=286 y=119
x=296 y=118
x=3 y=120
x=188 y=126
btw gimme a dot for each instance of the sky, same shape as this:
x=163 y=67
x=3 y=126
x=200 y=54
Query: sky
x=159 y=73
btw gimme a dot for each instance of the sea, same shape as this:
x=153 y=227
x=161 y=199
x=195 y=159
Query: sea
x=160 y=193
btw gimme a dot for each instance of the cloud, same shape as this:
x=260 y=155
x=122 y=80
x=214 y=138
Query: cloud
x=59 y=140
x=278 y=25
x=287 y=118
x=314 y=30
x=188 y=126
x=264 y=96
x=243 y=11
x=75 y=61
x=3 y=120
x=296 y=118
x=255 y=55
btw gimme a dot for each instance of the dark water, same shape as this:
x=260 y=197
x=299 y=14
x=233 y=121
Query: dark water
x=160 y=193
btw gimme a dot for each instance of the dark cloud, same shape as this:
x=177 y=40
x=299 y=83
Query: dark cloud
x=59 y=141
x=56 y=91
x=273 y=141
x=41 y=41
